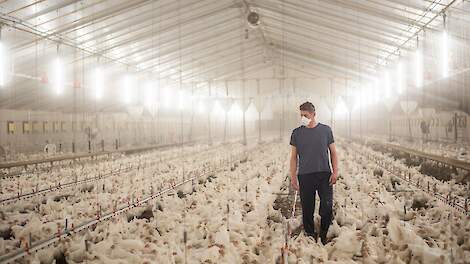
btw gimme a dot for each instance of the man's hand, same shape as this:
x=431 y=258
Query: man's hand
x=294 y=183
x=293 y=169
x=333 y=178
x=334 y=163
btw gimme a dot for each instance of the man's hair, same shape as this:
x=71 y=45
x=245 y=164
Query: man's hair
x=307 y=106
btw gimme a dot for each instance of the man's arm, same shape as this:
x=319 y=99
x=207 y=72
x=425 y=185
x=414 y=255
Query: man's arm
x=334 y=163
x=293 y=168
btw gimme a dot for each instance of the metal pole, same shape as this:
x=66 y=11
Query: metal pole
x=226 y=114
x=281 y=98
x=455 y=127
x=209 y=118
x=244 y=115
x=259 y=114
x=331 y=96
x=349 y=123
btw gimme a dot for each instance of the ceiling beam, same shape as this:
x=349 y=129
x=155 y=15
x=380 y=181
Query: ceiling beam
x=164 y=12
x=52 y=8
x=148 y=34
x=316 y=23
x=373 y=12
x=205 y=51
x=341 y=69
x=334 y=48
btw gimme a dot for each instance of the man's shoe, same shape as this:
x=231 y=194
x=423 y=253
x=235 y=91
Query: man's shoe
x=314 y=236
x=323 y=239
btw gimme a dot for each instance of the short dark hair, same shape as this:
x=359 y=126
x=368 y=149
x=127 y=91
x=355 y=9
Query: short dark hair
x=307 y=106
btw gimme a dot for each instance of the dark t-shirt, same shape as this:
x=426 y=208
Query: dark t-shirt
x=312 y=148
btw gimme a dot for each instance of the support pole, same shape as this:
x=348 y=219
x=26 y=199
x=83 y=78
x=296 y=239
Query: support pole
x=226 y=113
x=209 y=118
x=259 y=113
x=244 y=115
x=455 y=127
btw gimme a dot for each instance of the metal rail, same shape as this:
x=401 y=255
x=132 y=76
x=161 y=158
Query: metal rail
x=8 y=165
x=59 y=186
x=8 y=258
x=460 y=164
x=456 y=203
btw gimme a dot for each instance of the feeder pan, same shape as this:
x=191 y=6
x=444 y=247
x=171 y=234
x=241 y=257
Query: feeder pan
x=408 y=107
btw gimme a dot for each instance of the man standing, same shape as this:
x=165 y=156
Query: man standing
x=312 y=148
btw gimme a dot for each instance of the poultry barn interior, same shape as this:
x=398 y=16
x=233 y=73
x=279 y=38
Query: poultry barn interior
x=204 y=131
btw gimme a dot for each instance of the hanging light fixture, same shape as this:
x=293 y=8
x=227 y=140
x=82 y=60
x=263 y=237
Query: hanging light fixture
x=58 y=74
x=126 y=89
x=445 y=50
x=181 y=99
x=418 y=61
x=341 y=109
x=375 y=91
x=400 y=77
x=387 y=83
x=149 y=92
x=3 y=60
x=98 y=82
x=166 y=96
x=201 y=108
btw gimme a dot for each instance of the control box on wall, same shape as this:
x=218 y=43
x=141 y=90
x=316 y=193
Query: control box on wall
x=26 y=127
x=11 y=127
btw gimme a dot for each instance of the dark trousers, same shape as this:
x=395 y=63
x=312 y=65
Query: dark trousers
x=309 y=185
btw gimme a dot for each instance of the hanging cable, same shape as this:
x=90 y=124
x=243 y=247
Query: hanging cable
x=3 y=68
x=180 y=86
x=283 y=73
x=244 y=103
x=445 y=48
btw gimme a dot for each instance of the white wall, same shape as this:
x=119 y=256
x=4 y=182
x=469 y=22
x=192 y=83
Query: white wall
x=129 y=130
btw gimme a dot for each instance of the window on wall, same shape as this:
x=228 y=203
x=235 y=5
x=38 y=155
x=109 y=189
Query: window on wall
x=26 y=127
x=56 y=126
x=46 y=127
x=11 y=127
x=36 y=127
x=63 y=126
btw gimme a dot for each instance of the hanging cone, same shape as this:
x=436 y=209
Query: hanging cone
x=293 y=100
x=226 y=103
x=151 y=110
x=268 y=109
x=245 y=104
x=408 y=106
x=330 y=102
x=210 y=103
x=276 y=102
x=427 y=112
x=135 y=111
x=260 y=103
x=390 y=103
x=349 y=102
x=199 y=105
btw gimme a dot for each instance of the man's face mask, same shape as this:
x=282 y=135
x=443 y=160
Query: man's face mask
x=304 y=121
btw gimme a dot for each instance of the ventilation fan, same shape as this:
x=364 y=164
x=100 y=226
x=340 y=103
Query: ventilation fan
x=253 y=19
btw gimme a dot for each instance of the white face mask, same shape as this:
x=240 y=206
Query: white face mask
x=305 y=121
